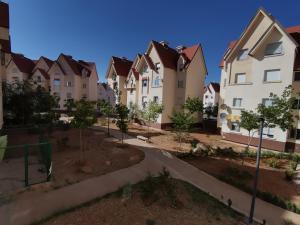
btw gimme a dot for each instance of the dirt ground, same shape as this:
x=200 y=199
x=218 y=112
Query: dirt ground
x=270 y=180
x=70 y=165
x=195 y=208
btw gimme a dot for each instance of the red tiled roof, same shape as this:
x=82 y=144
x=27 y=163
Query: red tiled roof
x=4 y=15
x=216 y=86
x=190 y=52
x=78 y=66
x=230 y=46
x=122 y=66
x=24 y=64
x=168 y=56
x=135 y=73
x=149 y=61
x=6 y=46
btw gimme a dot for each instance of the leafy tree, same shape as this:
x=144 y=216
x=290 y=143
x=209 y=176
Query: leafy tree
x=108 y=110
x=134 y=112
x=193 y=105
x=83 y=117
x=151 y=114
x=182 y=122
x=122 y=118
x=250 y=122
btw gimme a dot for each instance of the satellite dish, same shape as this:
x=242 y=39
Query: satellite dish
x=223 y=117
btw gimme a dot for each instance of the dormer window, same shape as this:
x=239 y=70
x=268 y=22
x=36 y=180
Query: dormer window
x=243 y=54
x=157 y=66
x=39 y=79
x=274 y=48
x=145 y=69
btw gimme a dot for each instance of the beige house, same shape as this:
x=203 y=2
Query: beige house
x=132 y=83
x=167 y=76
x=264 y=59
x=72 y=79
x=40 y=76
x=116 y=75
x=211 y=94
x=105 y=93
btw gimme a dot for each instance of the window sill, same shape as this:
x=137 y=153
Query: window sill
x=244 y=83
x=237 y=108
x=156 y=86
x=270 y=82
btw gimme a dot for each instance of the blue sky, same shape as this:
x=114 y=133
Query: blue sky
x=94 y=30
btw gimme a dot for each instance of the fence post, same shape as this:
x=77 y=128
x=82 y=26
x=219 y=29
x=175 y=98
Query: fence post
x=26 y=153
x=49 y=163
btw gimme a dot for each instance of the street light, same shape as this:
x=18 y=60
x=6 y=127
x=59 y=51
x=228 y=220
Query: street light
x=250 y=221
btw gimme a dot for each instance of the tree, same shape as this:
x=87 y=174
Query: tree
x=108 y=110
x=134 y=112
x=151 y=114
x=122 y=118
x=182 y=122
x=83 y=117
x=250 y=122
x=69 y=105
x=193 y=105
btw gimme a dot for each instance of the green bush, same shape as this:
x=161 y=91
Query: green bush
x=289 y=174
x=194 y=143
x=293 y=165
x=273 y=162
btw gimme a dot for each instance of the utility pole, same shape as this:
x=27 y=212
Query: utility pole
x=258 y=153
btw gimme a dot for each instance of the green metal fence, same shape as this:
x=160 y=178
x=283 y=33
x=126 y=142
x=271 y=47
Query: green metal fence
x=40 y=154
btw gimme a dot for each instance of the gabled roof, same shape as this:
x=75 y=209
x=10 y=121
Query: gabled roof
x=290 y=31
x=49 y=62
x=77 y=66
x=190 y=52
x=43 y=72
x=167 y=55
x=24 y=64
x=121 y=66
x=149 y=61
x=215 y=86
x=6 y=45
x=4 y=15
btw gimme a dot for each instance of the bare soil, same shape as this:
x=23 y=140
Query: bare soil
x=195 y=208
x=101 y=155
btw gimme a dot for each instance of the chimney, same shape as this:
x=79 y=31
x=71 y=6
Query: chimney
x=4 y=12
x=180 y=48
x=164 y=43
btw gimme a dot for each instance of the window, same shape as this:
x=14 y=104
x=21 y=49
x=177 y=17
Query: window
x=235 y=126
x=69 y=95
x=240 y=78
x=145 y=69
x=39 y=79
x=157 y=66
x=273 y=49
x=56 y=82
x=131 y=91
x=83 y=85
x=269 y=132
x=156 y=81
x=237 y=102
x=206 y=96
x=180 y=84
x=155 y=99
x=145 y=83
x=267 y=102
x=272 y=75
x=114 y=77
x=297 y=76
x=69 y=83
x=294 y=133
x=243 y=54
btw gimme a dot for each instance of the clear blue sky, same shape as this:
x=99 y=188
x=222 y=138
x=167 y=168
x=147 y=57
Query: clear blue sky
x=97 y=29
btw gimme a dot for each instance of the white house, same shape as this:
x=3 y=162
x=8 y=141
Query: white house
x=211 y=94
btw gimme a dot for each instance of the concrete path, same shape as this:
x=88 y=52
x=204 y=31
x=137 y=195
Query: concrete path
x=22 y=212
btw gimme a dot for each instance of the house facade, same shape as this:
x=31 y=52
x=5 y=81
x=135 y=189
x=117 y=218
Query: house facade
x=168 y=76
x=105 y=93
x=116 y=75
x=211 y=95
x=73 y=79
x=263 y=60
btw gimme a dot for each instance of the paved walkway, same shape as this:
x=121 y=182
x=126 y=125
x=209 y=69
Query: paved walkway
x=48 y=203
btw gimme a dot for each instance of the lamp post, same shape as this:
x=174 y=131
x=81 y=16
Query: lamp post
x=250 y=220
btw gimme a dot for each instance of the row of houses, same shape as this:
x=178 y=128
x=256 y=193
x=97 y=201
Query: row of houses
x=162 y=74
x=64 y=77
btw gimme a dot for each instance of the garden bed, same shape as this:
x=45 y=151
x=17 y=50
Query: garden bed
x=155 y=201
x=70 y=165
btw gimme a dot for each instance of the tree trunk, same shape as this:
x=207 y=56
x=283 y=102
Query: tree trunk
x=148 y=132
x=249 y=139
x=108 y=126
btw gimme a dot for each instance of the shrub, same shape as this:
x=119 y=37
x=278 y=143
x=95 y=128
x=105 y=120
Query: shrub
x=293 y=165
x=237 y=173
x=289 y=174
x=273 y=162
x=127 y=191
x=194 y=143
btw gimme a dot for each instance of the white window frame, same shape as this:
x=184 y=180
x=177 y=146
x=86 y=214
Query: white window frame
x=267 y=100
x=234 y=101
x=243 y=54
x=236 y=78
x=265 y=79
x=278 y=51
